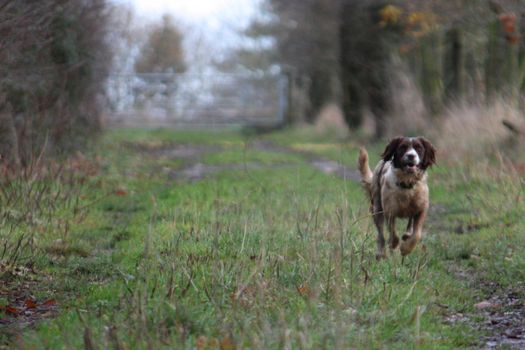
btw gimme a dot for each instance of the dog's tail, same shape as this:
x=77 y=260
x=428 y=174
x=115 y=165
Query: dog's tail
x=364 y=169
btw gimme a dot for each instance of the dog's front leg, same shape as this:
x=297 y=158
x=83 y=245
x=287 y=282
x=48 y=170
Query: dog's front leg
x=393 y=239
x=410 y=241
x=410 y=227
x=379 y=220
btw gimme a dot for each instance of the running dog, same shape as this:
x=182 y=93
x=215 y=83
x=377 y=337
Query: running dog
x=398 y=189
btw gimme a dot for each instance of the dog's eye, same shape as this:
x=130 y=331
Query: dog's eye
x=418 y=148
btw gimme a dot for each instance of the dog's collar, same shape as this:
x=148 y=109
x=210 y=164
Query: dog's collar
x=404 y=185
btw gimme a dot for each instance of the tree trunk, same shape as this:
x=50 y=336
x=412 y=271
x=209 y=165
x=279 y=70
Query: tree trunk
x=454 y=66
x=8 y=137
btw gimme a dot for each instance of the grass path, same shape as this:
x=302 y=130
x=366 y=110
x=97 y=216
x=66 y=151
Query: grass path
x=266 y=251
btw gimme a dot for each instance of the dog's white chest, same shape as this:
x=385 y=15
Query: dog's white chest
x=402 y=202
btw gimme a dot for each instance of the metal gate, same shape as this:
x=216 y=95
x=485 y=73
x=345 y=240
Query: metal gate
x=196 y=100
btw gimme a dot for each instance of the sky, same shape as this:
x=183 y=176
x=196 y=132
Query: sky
x=218 y=17
x=196 y=10
x=210 y=27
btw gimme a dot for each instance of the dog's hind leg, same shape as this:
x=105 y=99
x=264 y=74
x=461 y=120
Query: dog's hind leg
x=393 y=239
x=409 y=242
x=379 y=220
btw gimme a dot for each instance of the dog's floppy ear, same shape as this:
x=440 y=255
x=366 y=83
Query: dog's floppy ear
x=391 y=148
x=430 y=153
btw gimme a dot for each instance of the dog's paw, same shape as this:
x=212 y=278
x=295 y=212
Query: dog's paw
x=407 y=247
x=394 y=242
x=404 y=250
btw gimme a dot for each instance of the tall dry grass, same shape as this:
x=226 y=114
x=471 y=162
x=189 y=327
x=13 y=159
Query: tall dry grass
x=409 y=114
x=474 y=129
x=463 y=129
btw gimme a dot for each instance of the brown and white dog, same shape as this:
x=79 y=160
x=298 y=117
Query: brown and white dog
x=398 y=189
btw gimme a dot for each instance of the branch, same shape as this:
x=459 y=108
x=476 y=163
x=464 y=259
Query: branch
x=512 y=127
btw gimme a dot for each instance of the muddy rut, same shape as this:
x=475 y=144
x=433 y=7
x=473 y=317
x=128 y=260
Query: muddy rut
x=193 y=169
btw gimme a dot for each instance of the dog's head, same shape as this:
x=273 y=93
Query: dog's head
x=410 y=154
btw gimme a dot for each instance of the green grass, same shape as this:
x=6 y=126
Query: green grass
x=271 y=257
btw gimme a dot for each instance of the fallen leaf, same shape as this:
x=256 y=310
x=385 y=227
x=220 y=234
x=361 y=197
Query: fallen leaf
x=10 y=310
x=49 y=302
x=304 y=290
x=30 y=304
x=201 y=342
x=227 y=344
x=121 y=193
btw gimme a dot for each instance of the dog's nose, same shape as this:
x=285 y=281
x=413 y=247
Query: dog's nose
x=411 y=156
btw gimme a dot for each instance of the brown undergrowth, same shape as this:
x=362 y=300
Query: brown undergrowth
x=39 y=206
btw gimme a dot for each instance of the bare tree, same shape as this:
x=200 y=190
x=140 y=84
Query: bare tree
x=52 y=66
x=163 y=50
x=305 y=45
